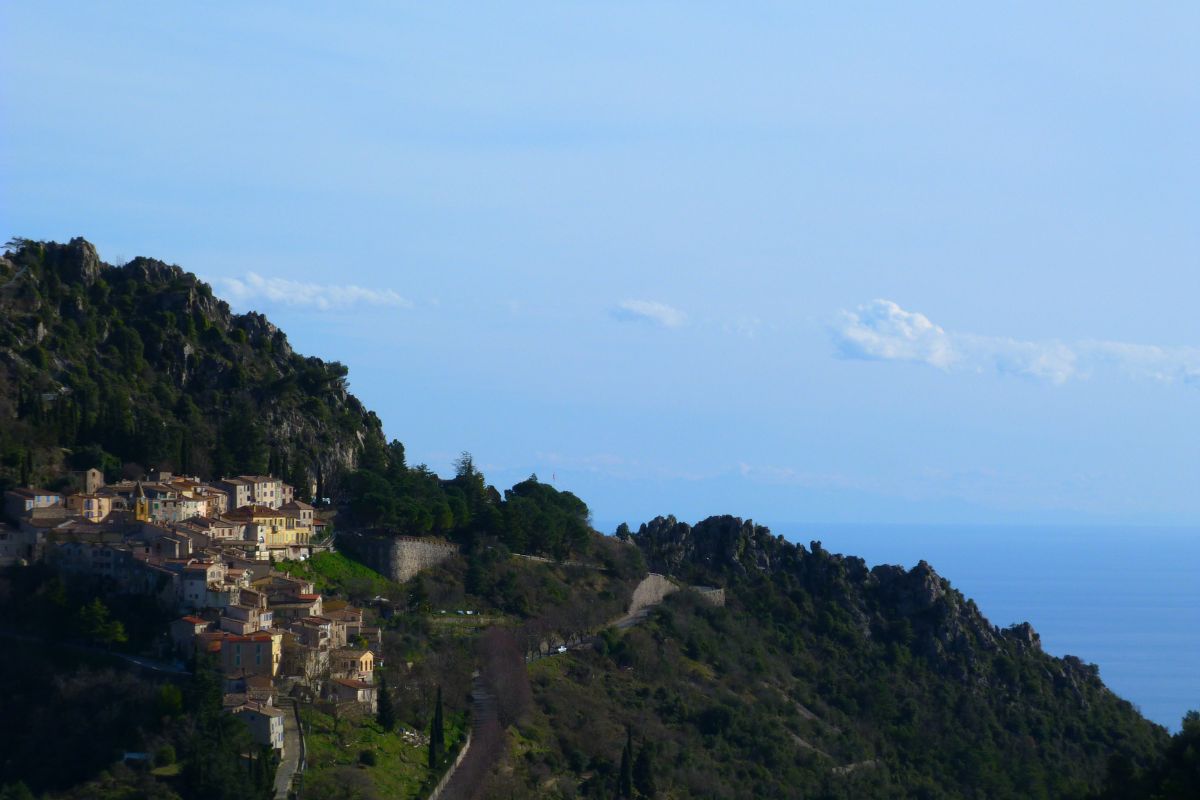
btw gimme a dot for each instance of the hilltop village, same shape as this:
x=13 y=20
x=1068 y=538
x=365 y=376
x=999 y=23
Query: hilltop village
x=207 y=549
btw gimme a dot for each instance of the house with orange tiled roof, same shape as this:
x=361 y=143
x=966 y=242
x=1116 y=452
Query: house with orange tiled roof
x=184 y=631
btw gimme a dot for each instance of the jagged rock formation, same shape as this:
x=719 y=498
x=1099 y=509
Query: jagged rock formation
x=881 y=606
x=103 y=365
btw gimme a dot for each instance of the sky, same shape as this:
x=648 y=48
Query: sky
x=867 y=263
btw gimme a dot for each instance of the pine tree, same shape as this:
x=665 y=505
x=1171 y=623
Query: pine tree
x=437 y=735
x=386 y=715
x=625 y=778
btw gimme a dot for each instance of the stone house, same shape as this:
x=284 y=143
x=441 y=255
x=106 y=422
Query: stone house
x=245 y=619
x=348 y=690
x=88 y=481
x=265 y=723
x=356 y=665
x=184 y=631
x=264 y=490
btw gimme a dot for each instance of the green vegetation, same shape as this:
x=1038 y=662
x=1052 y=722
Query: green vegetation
x=437 y=735
x=818 y=678
x=334 y=573
x=531 y=517
x=139 y=366
x=337 y=771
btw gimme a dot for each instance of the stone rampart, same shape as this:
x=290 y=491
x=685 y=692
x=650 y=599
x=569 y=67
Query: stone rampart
x=649 y=592
x=397 y=557
x=712 y=594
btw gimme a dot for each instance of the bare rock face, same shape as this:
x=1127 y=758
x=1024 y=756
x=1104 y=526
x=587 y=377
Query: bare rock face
x=1024 y=635
x=149 y=342
x=75 y=261
x=718 y=543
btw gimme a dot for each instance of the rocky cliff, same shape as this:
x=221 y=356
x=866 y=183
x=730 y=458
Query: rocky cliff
x=141 y=365
x=914 y=607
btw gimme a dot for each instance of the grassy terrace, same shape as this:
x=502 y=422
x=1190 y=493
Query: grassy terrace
x=335 y=572
x=335 y=769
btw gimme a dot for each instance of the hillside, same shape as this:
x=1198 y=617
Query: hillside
x=819 y=678
x=141 y=365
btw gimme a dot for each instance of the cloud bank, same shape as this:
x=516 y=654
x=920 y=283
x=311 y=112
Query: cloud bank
x=317 y=296
x=649 y=311
x=883 y=331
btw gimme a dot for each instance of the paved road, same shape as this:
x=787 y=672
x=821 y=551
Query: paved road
x=487 y=745
x=291 y=750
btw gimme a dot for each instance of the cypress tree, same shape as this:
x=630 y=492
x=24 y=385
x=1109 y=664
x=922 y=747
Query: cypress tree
x=437 y=735
x=386 y=715
x=625 y=778
x=643 y=772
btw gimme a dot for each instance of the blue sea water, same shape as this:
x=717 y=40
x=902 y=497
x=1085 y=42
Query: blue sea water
x=1124 y=598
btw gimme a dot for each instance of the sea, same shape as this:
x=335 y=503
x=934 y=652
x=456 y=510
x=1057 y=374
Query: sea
x=1124 y=598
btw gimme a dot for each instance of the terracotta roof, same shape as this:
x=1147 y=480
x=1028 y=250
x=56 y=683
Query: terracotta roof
x=353 y=684
x=34 y=492
x=350 y=653
x=194 y=620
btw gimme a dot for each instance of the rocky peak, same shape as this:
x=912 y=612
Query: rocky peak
x=75 y=262
x=715 y=545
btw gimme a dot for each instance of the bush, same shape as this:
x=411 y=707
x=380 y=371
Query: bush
x=164 y=756
x=367 y=758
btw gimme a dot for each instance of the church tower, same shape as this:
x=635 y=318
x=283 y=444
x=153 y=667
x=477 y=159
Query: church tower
x=141 y=506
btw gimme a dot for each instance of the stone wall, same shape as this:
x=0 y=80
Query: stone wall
x=650 y=591
x=397 y=557
x=712 y=594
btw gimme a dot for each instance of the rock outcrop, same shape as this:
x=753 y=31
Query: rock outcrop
x=143 y=364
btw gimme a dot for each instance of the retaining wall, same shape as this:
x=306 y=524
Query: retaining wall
x=397 y=557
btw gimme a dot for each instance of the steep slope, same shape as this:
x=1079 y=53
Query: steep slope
x=819 y=678
x=141 y=364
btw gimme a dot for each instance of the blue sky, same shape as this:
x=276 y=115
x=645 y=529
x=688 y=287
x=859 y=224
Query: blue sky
x=867 y=263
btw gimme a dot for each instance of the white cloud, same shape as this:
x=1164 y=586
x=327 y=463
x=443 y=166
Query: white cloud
x=321 y=297
x=649 y=311
x=883 y=331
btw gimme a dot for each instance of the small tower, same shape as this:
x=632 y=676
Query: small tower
x=141 y=506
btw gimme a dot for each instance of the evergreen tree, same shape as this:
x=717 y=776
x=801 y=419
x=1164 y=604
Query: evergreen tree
x=386 y=715
x=625 y=778
x=643 y=772
x=437 y=735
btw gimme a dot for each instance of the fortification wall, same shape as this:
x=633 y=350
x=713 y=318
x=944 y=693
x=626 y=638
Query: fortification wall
x=397 y=557
x=650 y=591
x=712 y=594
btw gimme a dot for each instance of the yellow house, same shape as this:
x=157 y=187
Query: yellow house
x=354 y=664
x=258 y=653
x=270 y=527
x=92 y=507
